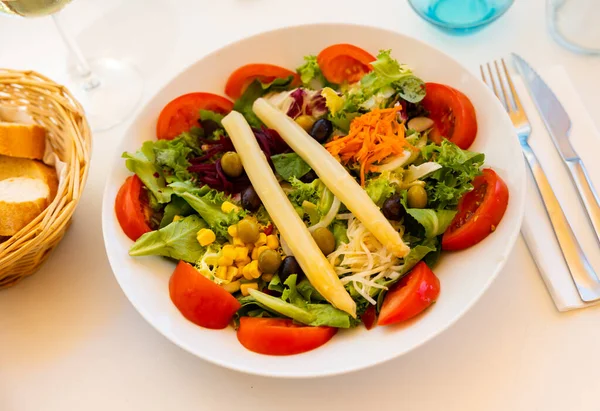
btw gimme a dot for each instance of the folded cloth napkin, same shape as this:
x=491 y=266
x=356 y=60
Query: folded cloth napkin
x=536 y=228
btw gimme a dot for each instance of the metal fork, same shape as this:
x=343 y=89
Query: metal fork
x=583 y=274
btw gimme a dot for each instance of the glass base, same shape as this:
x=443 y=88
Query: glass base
x=573 y=24
x=460 y=16
x=110 y=94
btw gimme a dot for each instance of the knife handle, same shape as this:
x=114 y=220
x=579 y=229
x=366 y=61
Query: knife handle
x=583 y=274
x=587 y=193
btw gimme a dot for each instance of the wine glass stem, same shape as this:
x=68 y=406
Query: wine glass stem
x=90 y=80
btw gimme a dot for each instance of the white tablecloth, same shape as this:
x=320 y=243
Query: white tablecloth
x=69 y=339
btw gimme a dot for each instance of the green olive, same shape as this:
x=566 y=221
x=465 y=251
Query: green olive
x=417 y=197
x=325 y=240
x=248 y=231
x=232 y=164
x=269 y=261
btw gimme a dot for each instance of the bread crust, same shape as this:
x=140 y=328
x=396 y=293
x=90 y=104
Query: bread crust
x=22 y=140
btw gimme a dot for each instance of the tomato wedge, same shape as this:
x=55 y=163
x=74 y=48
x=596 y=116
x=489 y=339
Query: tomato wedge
x=240 y=79
x=479 y=212
x=132 y=213
x=181 y=114
x=410 y=296
x=453 y=115
x=369 y=317
x=200 y=300
x=280 y=336
x=344 y=63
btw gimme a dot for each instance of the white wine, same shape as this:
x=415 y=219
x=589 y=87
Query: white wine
x=32 y=8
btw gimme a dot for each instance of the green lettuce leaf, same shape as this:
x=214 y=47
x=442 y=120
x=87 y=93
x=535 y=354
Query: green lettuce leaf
x=310 y=74
x=161 y=162
x=177 y=240
x=212 y=116
x=143 y=164
x=293 y=304
x=255 y=90
x=447 y=185
x=435 y=222
x=381 y=87
x=340 y=229
x=313 y=199
x=172 y=157
x=177 y=207
x=207 y=203
x=290 y=165
x=380 y=188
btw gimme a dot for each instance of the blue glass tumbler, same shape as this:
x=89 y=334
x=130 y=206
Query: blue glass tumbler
x=460 y=15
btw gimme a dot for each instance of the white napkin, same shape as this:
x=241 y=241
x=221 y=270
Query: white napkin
x=536 y=228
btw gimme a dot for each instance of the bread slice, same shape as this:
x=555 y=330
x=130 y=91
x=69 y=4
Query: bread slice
x=22 y=167
x=22 y=140
x=22 y=199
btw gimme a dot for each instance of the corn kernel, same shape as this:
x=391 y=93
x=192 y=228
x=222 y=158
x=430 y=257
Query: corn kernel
x=232 y=230
x=242 y=262
x=238 y=242
x=267 y=277
x=224 y=261
x=272 y=242
x=253 y=269
x=250 y=247
x=258 y=251
x=232 y=273
x=228 y=251
x=245 y=287
x=221 y=272
x=240 y=267
x=205 y=237
x=232 y=287
x=262 y=240
x=177 y=218
x=228 y=207
x=246 y=272
x=241 y=253
x=306 y=122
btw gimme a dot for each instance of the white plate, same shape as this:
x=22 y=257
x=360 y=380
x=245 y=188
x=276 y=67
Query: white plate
x=464 y=275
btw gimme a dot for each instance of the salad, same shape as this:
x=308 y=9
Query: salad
x=311 y=200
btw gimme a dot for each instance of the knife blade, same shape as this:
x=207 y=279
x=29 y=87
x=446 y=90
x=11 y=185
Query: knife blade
x=553 y=113
x=558 y=124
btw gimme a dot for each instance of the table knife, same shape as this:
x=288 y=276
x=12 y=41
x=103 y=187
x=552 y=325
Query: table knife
x=558 y=124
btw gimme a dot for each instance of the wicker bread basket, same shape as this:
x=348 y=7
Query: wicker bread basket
x=52 y=106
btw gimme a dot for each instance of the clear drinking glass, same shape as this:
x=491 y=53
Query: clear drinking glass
x=108 y=89
x=575 y=24
x=460 y=15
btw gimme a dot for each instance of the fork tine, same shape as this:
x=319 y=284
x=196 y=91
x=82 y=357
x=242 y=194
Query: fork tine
x=493 y=82
x=507 y=98
x=512 y=88
x=483 y=75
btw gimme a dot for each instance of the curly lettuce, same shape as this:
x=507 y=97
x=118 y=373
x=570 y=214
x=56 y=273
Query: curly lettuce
x=447 y=185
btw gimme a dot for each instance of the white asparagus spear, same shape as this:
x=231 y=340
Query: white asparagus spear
x=333 y=175
x=318 y=270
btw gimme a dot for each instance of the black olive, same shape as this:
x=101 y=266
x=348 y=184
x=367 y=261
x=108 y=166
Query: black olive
x=309 y=177
x=321 y=130
x=288 y=267
x=392 y=208
x=250 y=200
x=209 y=127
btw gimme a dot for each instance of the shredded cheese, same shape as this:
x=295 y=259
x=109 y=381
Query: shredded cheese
x=364 y=260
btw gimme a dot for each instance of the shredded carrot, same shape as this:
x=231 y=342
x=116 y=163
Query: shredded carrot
x=374 y=137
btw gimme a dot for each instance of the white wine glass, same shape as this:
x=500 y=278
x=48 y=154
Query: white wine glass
x=108 y=89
